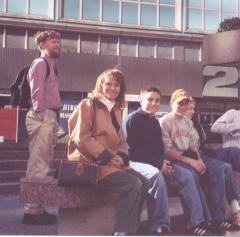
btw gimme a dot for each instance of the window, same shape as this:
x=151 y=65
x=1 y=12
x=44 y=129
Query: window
x=71 y=9
x=69 y=42
x=109 y=45
x=192 y=52
x=146 y=48
x=28 y=7
x=91 y=9
x=15 y=38
x=17 y=6
x=211 y=20
x=111 y=11
x=130 y=13
x=178 y=51
x=1 y=5
x=167 y=16
x=31 y=41
x=165 y=50
x=39 y=7
x=89 y=44
x=148 y=14
x=205 y=15
x=128 y=47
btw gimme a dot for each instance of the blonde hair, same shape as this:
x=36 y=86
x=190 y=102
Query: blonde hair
x=116 y=75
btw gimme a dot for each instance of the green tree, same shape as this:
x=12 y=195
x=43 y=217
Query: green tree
x=229 y=24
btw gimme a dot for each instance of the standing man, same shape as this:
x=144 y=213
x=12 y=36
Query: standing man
x=41 y=119
x=144 y=138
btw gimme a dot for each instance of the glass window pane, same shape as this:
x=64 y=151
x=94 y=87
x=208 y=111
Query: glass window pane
x=17 y=6
x=167 y=16
x=1 y=5
x=109 y=45
x=129 y=13
x=148 y=15
x=172 y=2
x=69 y=42
x=31 y=40
x=229 y=5
x=213 y=4
x=146 y=48
x=89 y=44
x=151 y=1
x=39 y=7
x=194 y=20
x=192 y=52
x=128 y=47
x=178 y=51
x=211 y=20
x=194 y=3
x=15 y=38
x=90 y=9
x=110 y=10
x=71 y=9
x=165 y=50
x=226 y=15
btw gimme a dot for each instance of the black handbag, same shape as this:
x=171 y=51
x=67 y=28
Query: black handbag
x=78 y=174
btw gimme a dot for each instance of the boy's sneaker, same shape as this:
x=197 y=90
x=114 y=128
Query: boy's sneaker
x=39 y=219
x=200 y=230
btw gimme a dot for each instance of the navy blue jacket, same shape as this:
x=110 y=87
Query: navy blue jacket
x=144 y=138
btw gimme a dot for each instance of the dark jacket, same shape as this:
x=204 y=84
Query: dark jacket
x=144 y=138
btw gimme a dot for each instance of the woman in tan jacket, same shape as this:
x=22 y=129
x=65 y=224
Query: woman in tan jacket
x=96 y=134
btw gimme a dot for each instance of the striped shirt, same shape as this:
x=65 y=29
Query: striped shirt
x=229 y=126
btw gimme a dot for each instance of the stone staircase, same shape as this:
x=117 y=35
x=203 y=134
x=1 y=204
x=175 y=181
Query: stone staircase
x=13 y=164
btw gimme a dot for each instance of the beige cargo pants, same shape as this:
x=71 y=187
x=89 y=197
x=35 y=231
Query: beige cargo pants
x=42 y=139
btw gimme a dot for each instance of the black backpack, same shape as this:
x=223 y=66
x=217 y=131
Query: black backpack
x=20 y=89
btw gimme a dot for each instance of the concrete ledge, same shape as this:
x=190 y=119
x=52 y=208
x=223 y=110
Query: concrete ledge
x=46 y=192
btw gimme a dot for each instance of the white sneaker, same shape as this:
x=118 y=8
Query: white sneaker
x=236 y=218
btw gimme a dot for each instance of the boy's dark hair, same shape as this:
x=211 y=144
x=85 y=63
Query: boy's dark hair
x=150 y=89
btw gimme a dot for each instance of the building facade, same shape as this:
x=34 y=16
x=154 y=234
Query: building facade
x=157 y=42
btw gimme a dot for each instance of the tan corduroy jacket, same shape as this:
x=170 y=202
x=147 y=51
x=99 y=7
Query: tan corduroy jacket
x=93 y=136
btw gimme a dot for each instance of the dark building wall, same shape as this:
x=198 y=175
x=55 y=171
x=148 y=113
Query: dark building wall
x=78 y=72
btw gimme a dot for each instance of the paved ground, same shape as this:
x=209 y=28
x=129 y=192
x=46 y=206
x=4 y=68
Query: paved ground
x=11 y=211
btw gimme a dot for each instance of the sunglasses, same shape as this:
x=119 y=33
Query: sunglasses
x=184 y=102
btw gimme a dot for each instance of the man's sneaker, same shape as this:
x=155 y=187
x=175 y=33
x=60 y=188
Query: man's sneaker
x=236 y=218
x=160 y=231
x=39 y=219
x=200 y=230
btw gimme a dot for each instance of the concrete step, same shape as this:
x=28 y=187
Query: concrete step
x=8 y=165
x=11 y=176
x=12 y=188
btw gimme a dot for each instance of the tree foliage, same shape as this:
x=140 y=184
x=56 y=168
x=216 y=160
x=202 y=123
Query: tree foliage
x=229 y=24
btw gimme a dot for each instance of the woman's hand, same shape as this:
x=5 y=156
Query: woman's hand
x=116 y=161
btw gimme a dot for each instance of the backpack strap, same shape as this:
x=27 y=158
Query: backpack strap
x=48 y=67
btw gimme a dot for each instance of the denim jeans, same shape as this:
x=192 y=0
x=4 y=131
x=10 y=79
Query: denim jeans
x=230 y=155
x=221 y=185
x=157 y=201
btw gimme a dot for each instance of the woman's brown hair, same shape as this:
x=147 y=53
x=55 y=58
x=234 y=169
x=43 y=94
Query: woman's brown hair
x=116 y=75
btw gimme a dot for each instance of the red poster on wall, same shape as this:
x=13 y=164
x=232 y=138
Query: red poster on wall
x=8 y=123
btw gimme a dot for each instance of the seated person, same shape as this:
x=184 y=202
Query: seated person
x=146 y=152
